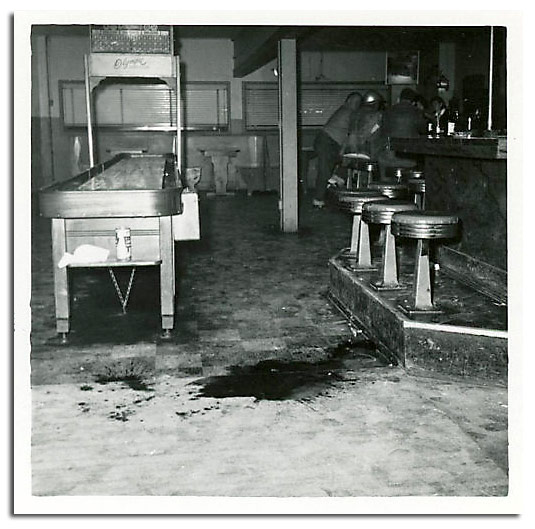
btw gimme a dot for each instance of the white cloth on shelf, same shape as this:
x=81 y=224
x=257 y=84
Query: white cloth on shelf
x=85 y=253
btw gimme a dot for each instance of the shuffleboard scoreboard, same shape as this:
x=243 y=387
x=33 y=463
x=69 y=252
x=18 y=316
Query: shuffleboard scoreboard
x=143 y=39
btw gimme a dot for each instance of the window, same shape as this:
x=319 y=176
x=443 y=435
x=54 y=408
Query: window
x=260 y=105
x=72 y=97
x=316 y=101
x=205 y=105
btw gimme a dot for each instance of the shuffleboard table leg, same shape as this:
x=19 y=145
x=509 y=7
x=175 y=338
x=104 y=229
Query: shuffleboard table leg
x=167 y=274
x=61 y=280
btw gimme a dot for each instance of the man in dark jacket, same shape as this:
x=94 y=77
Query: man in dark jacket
x=365 y=132
x=330 y=143
x=402 y=120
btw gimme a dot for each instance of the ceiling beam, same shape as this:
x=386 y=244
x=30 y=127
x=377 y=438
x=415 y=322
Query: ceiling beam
x=255 y=46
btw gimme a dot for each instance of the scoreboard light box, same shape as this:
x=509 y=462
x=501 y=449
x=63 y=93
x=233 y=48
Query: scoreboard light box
x=147 y=39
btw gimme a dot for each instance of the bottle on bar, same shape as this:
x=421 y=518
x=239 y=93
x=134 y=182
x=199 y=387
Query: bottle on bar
x=453 y=122
x=452 y=117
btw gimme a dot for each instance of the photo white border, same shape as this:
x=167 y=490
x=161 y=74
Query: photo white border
x=25 y=503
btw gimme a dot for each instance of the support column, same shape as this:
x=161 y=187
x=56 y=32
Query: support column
x=287 y=58
x=42 y=173
x=446 y=64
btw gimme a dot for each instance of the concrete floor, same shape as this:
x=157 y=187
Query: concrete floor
x=263 y=389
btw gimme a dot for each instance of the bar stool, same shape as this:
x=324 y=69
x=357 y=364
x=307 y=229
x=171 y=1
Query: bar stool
x=417 y=187
x=391 y=189
x=352 y=202
x=381 y=212
x=424 y=226
x=361 y=170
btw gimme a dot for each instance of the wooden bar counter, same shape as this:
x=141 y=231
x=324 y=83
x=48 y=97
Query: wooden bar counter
x=468 y=337
x=467 y=176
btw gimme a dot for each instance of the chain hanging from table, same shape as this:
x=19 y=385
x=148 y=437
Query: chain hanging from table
x=123 y=299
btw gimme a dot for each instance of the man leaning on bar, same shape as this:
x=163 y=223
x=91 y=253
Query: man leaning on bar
x=402 y=120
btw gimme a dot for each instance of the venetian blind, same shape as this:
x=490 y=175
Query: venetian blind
x=205 y=106
x=316 y=101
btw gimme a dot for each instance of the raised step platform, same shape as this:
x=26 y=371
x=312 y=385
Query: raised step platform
x=468 y=339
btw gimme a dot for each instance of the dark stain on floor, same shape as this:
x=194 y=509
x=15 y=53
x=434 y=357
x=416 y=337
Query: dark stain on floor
x=282 y=380
x=132 y=373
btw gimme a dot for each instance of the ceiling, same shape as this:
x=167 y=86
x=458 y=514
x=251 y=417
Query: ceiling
x=310 y=37
x=384 y=38
x=256 y=45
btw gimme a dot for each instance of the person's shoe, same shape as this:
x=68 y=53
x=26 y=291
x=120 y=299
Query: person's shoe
x=336 y=181
x=318 y=204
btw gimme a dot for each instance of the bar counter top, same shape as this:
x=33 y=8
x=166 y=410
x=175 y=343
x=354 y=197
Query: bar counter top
x=456 y=146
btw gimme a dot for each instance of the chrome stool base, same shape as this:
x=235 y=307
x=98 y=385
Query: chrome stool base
x=412 y=311
x=381 y=287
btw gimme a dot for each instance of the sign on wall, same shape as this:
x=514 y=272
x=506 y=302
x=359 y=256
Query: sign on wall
x=402 y=67
x=128 y=65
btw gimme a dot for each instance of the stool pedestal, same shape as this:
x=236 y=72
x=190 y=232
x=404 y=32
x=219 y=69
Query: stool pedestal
x=364 y=252
x=360 y=249
x=398 y=174
x=355 y=234
x=422 y=278
x=417 y=186
x=389 y=265
x=381 y=212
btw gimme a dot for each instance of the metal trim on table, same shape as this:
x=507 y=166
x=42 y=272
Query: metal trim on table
x=117 y=203
x=109 y=264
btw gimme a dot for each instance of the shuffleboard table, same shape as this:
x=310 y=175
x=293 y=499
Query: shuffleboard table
x=140 y=192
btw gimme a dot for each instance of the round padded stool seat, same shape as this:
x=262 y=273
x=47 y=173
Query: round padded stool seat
x=381 y=212
x=390 y=189
x=353 y=200
x=351 y=159
x=425 y=225
x=416 y=173
x=416 y=185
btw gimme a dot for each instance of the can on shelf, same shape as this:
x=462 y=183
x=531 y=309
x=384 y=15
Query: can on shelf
x=123 y=242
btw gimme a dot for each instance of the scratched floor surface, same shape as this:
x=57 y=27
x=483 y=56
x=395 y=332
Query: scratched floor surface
x=263 y=390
